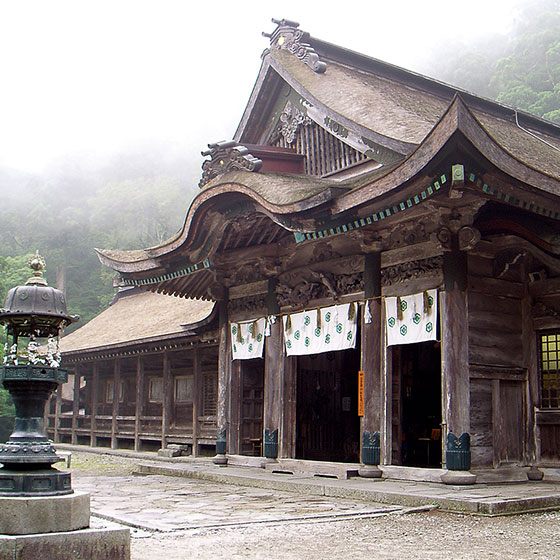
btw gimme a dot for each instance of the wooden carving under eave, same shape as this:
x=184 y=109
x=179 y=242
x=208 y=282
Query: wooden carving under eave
x=467 y=238
x=318 y=285
x=250 y=303
x=287 y=36
x=406 y=234
x=289 y=122
x=224 y=157
x=540 y=309
x=411 y=270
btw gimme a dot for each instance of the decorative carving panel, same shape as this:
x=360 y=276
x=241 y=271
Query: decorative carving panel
x=224 y=157
x=297 y=290
x=411 y=270
x=251 y=303
x=287 y=36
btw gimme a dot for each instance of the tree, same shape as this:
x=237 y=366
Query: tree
x=521 y=69
x=529 y=77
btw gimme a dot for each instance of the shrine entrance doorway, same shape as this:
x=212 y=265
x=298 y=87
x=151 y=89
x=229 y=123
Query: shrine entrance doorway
x=327 y=422
x=416 y=405
x=252 y=398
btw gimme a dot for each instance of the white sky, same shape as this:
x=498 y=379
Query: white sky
x=95 y=76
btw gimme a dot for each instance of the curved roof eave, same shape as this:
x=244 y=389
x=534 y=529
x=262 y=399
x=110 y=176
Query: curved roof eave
x=312 y=194
x=457 y=118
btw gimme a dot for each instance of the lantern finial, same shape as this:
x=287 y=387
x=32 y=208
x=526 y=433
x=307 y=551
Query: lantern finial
x=37 y=264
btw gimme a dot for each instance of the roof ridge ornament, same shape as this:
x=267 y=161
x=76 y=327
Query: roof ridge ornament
x=287 y=36
x=224 y=157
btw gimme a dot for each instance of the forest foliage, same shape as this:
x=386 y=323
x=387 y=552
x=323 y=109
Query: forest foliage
x=521 y=69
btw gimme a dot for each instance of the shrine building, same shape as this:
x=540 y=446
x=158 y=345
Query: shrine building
x=383 y=251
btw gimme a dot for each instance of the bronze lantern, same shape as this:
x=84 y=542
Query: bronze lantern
x=34 y=316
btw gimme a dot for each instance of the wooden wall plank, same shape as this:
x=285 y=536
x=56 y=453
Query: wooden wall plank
x=197 y=397
x=140 y=401
x=287 y=434
x=116 y=401
x=94 y=404
x=76 y=404
x=168 y=399
x=481 y=423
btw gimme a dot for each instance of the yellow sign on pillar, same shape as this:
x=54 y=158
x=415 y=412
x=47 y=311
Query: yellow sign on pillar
x=361 y=403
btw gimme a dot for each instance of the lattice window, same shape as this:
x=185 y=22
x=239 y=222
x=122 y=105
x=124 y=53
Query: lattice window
x=550 y=370
x=210 y=395
x=324 y=153
x=184 y=388
x=110 y=391
x=155 y=390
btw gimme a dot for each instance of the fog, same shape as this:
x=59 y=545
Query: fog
x=83 y=80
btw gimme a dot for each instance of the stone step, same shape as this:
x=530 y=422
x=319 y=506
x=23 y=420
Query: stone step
x=325 y=469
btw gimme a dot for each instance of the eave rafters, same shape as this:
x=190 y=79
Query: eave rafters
x=459 y=177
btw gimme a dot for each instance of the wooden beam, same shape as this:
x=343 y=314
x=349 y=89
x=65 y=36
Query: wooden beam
x=94 y=404
x=197 y=397
x=76 y=404
x=140 y=395
x=116 y=401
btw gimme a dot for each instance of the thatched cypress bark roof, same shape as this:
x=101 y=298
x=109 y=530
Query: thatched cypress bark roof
x=134 y=317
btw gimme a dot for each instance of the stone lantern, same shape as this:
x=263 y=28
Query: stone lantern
x=34 y=316
x=40 y=515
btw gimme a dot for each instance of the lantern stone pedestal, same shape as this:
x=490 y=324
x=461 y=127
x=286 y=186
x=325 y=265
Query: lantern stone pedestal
x=56 y=527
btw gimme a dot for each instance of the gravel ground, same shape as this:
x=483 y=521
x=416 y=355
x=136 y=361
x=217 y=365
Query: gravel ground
x=426 y=535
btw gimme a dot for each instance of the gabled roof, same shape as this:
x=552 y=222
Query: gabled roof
x=136 y=318
x=403 y=120
x=381 y=104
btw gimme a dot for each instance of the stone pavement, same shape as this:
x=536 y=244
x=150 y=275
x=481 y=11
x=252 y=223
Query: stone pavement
x=165 y=504
x=256 y=487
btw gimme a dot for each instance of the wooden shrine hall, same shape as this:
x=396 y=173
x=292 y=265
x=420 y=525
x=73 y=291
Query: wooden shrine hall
x=384 y=254
x=142 y=375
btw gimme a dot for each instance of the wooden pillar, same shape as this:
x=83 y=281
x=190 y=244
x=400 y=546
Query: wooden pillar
x=371 y=363
x=531 y=451
x=455 y=345
x=57 y=411
x=273 y=389
x=94 y=405
x=116 y=401
x=224 y=369
x=76 y=404
x=139 y=409
x=197 y=397
x=167 y=404
x=289 y=410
